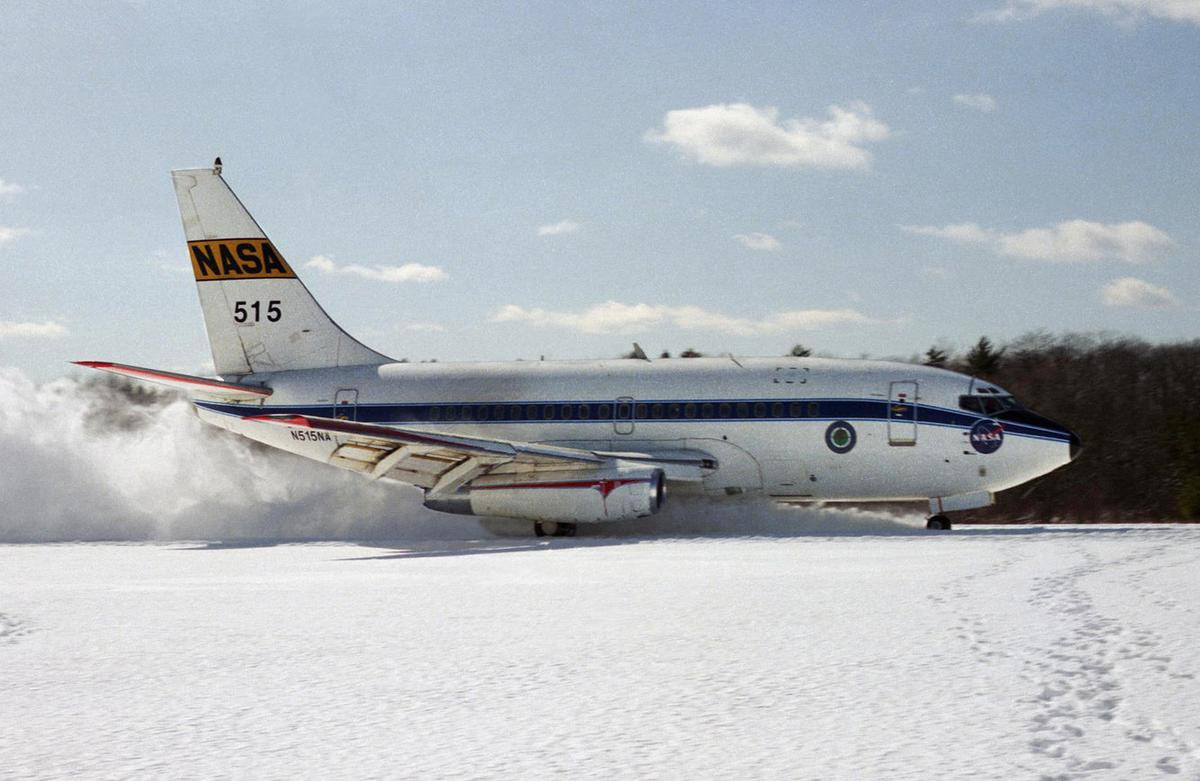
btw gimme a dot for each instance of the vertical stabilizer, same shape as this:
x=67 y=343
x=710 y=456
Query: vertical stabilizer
x=259 y=315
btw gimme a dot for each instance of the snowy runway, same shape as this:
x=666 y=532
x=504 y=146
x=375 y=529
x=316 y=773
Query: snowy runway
x=998 y=653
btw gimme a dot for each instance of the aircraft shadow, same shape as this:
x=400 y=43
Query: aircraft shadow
x=443 y=548
x=435 y=548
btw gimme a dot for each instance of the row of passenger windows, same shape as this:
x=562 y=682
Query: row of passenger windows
x=675 y=410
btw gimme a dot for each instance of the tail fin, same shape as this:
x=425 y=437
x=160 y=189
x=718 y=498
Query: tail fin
x=259 y=315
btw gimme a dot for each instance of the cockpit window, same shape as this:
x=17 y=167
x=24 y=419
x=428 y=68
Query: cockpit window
x=987 y=405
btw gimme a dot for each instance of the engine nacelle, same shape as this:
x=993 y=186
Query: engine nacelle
x=612 y=494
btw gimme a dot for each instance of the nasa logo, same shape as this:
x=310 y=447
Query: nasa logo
x=840 y=436
x=987 y=435
x=237 y=259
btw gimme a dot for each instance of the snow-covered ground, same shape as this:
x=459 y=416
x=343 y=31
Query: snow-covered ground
x=994 y=653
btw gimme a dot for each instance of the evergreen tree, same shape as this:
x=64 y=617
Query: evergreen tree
x=984 y=359
x=936 y=357
x=691 y=352
x=800 y=351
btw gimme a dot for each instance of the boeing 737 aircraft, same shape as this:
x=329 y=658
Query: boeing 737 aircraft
x=560 y=443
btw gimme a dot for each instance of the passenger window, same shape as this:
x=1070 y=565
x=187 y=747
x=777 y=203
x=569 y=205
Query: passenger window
x=604 y=411
x=624 y=411
x=548 y=412
x=743 y=409
x=674 y=410
x=435 y=413
x=689 y=410
x=656 y=411
x=814 y=409
x=796 y=409
x=515 y=412
x=642 y=410
x=484 y=412
x=585 y=412
x=706 y=410
x=760 y=409
x=451 y=413
x=725 y=409
x=568 y=412
x=498 y=411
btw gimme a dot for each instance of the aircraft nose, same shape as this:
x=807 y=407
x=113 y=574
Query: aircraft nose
x=1076 y=444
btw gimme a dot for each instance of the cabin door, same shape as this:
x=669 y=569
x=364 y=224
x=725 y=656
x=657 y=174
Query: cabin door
x=623 y=415
x=902 y=413
x=345 y=404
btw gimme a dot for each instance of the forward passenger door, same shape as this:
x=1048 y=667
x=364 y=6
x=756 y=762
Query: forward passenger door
x=902 y=413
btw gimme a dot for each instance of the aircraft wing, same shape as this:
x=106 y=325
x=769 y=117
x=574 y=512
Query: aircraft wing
x=193 y=386
x=442 y=463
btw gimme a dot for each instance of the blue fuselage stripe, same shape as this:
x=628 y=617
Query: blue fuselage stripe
x=645 y=411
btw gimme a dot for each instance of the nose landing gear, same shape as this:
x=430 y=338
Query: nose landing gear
x=553 y=529
x=938 y=522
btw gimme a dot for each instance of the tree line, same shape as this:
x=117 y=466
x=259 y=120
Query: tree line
x=1136 y=407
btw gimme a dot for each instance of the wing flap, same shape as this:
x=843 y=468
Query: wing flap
x=434 y=460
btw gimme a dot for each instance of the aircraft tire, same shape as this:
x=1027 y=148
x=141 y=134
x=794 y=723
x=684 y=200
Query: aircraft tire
x=553 y=529
x=938 y=522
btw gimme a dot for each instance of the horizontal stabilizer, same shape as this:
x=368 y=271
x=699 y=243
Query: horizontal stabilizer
x=193 y=386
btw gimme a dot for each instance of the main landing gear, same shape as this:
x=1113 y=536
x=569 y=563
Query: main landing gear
x=553 y=529
x=939 y=522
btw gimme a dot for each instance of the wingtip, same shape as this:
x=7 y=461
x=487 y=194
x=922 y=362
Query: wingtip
x=93 y=364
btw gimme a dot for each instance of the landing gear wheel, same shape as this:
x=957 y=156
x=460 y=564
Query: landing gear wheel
x=939 y=522
x=553 y=529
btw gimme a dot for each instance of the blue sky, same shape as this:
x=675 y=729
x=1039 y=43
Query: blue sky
x=481 y=181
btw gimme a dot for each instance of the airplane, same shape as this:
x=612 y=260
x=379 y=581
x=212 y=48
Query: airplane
x=561 y=443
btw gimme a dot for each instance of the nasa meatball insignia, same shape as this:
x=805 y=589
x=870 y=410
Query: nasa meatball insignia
x=987 y=435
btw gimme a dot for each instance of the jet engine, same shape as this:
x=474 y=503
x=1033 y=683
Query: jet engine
x=577 y=496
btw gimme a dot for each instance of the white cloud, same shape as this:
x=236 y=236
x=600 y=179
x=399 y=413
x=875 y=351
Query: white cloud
x=11 y=234
x=764 y=242
x=1125 y=11
x=44 y=330
x=425 y=327
x=1130 y=291
x=409 y=272
x=728 y=134
x=10 y=189
x=615 y=317
x=558 y=228
x=980 y=101
x=1069 y=242
x=964 y=232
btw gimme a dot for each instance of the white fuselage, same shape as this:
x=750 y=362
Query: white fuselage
x=793 y=428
